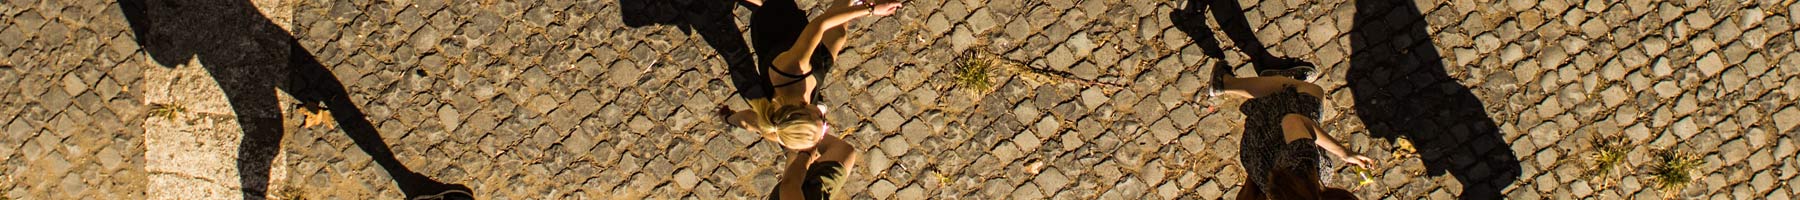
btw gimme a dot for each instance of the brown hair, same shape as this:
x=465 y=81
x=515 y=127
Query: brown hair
x=1289 y=186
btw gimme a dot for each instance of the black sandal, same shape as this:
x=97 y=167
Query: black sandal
x=1216 y=86
x=1291 y=68
x=454 y=194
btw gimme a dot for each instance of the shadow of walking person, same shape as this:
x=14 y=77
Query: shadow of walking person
x=1402 y=89
x=250 y=58
x=1230 y=17
x=716 y=24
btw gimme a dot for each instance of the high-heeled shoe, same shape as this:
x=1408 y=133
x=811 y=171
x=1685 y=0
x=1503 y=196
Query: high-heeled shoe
x=1216 y=86
x=1289 y=67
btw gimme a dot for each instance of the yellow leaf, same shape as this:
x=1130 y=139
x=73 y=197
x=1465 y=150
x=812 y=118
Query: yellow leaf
x=315 y=117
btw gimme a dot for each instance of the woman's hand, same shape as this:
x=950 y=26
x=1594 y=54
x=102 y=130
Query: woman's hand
x=1358 y=160
x=884 y=7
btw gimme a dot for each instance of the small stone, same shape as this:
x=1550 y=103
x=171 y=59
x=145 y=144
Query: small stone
x=1752 y=17
x=961 y=39
x=1184 y=117
x=879 y=162
x=937 y=24
x=1464 y=56
x=1168 y=190
x=1061 y=58
x=911 y=192
x=1710 y=65
x=882 y=189
x=1613 y=96
x=1081 y=44
x=1051 y=179
x=980 y=21
x=1093 y=97
x=1699 y=20
x=1786 y=119
x=1667 y=89
x=888 y=120
x=449 y=117
x=73 y=85
x=1733 y=152
x=895 y=146
x=1655 y=45
x=1029 y=191
x=543 y=104
x=686 y=179
x=1027 y=141
x=1209 y=190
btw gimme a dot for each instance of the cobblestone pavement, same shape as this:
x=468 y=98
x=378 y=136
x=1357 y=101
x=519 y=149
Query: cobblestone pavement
x=616 y=99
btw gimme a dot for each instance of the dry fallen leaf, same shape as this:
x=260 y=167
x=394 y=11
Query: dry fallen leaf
x=315 y=117
x=1035 y=167
x=1405 y=149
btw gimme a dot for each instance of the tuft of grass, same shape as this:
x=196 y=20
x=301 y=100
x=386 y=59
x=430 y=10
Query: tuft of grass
x=166 y=111
x=291 y=193
x=1673 y=170
x=1609 y=154
x=974 y=73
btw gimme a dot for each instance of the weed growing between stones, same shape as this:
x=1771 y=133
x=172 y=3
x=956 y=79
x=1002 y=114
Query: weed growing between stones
x=974 y=74
x=166 y=111
x=1609 y=153
x=291 y=193
x=1673 y=170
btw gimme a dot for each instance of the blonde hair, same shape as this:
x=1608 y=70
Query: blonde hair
x=788 y=125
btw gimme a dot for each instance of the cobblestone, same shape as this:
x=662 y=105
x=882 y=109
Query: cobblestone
x=521 y=100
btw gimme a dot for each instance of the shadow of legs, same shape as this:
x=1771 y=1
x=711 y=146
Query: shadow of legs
x=314 y=84
x=249 y=57
x=1402 y=90
x=1230 y=17
x=716 y=24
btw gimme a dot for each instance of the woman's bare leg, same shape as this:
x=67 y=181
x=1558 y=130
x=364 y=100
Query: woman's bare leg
x=754 y=2
x=1253 y=87
x=1293 y=127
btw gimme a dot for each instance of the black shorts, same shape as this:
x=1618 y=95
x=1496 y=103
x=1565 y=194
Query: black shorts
x=822 y=180
x=774 y=28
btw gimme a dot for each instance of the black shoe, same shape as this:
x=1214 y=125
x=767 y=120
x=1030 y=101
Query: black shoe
x=1301 y=72
x=454 y=194
x=1216 y=86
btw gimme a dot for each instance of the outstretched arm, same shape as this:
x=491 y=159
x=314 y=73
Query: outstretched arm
x=808 y=42
x=1325 y=141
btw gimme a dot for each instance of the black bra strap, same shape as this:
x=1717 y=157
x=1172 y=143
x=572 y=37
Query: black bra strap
x=801 y=75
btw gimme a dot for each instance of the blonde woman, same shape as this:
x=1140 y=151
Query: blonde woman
x=787 y=49
x=1282 y=137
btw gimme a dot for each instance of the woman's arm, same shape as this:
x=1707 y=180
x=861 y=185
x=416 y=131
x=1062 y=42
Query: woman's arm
x=808 y=42
x=1325 y=141
x=742 y=118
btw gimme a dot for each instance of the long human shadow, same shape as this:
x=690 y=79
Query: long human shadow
x=1401 y=90
x=1230 y=17
x=250 y=58
x=716 y=24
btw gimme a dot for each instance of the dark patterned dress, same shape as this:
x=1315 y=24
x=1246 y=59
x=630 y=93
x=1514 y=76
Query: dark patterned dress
x=1264 y=148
